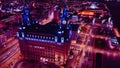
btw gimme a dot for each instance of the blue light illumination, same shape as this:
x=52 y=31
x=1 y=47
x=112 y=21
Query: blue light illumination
x=93 y=6
x=20 y=28
x=27 y=35
x=65 y=15
x=7 y=9
x=59 y=32
x=24 y=27
x=56 y=39
x=41 y=37
x=30 y=35
x=17 y=34
x=114 y=41
x=36 y=21
x=28 y=22
x=38 y=36
x=62 y=40
x=70 y=33
x=23 y=35
x=26 y=16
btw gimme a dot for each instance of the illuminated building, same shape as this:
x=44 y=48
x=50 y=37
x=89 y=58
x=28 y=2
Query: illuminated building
x=49 y=42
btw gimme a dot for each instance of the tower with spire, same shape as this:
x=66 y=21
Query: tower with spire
x=64 y=22
x=26 y=19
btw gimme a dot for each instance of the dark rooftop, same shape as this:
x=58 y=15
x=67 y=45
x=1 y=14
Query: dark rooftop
x=50 y=28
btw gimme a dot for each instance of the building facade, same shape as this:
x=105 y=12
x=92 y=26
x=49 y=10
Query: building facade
x=44 y=43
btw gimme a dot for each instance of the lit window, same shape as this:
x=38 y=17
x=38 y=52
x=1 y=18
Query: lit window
x=30 y=35
x=20 y=28
x=64 y=22
x=49 y=38
x=17 y=34
x=23 y=35
x=52 y=38
x=55 y=39
x=62 y=40
x=36 y=21
x=59 y=32
x=33 y=36
x=27 y=35
x=43 y=37
x=23 y=27
x=40 y=37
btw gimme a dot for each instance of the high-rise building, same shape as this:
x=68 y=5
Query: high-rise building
x=49 y=42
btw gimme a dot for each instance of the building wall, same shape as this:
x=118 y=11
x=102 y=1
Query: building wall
x=41 y=51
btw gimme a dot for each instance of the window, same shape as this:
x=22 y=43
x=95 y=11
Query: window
x=55 y=39
x=23 y=35
x=62 y=40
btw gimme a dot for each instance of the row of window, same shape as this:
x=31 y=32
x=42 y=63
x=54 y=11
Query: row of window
x=40 y=38
x=36 y=52
x=35 y=36
x=39 y=53
x=39 y=50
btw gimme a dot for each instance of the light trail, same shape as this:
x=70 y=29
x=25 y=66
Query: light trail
x=97 y=50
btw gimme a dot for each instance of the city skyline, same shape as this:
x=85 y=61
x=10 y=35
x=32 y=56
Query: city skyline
x=59 y=34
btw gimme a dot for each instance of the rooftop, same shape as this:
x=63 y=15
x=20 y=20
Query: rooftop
x=50 y=28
